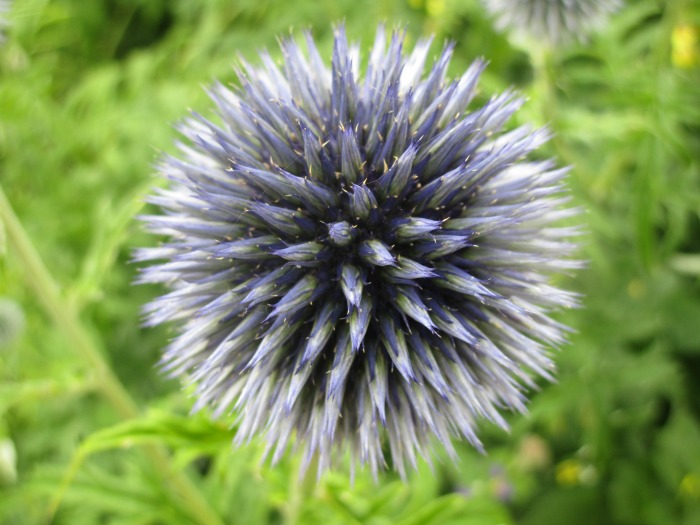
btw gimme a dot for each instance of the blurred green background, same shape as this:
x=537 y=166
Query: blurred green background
x=90 y=93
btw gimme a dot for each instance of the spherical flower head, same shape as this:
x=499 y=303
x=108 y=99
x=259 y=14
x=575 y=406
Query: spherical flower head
x=553 y=21
x=358 y=260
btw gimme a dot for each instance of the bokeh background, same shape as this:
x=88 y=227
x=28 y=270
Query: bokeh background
x=90 y=95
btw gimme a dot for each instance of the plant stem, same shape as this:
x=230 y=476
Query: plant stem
x=299 y=486
x=541 y=59
x=67 y=321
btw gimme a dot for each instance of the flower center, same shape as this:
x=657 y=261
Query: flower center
x=341 y=233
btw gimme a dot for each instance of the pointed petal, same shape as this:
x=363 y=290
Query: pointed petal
x=304 y=252
x=378 y=378
x=407 y=229
x=359 y=321
x=376 y=253
x=393 y=339
x=362 y=202
x=299 y=296
x=324 y=326
x=351 y=284
x=409 y=302
x=344 y=357
x=253 y=249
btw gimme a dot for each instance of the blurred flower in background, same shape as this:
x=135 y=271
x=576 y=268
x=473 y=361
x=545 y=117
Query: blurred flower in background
x=4 y=11
x=556 y=21
x=11 y=321
x=684 y=46
x=8 y=462
x=359 y=257
x=690 y=486
x=533 y=453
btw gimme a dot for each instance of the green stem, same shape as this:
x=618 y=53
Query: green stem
x=545 y=89
x=541 y=58
x=299 y=486
x=61 y=314
x=66 y=319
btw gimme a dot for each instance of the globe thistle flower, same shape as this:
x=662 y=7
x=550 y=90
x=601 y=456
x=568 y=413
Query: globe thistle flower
x=557 y=21
x=359 y=259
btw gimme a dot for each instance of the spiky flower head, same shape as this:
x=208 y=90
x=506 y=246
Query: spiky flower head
x=554 y=21
x=359 y=259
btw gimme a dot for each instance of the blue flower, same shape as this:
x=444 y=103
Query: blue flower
x=357 y=260
x=555 y=21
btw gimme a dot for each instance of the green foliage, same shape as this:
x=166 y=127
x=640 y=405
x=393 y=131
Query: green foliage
x=89 y=95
